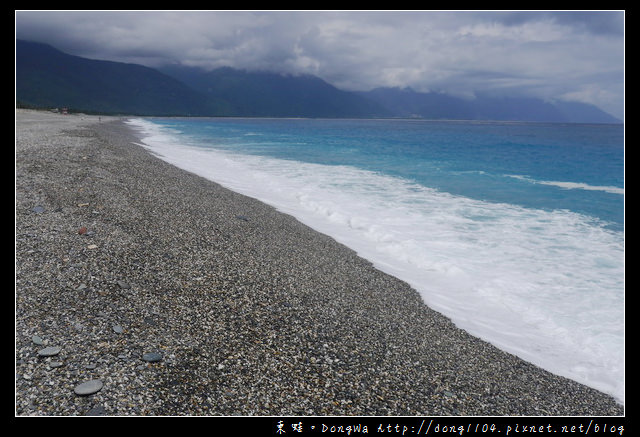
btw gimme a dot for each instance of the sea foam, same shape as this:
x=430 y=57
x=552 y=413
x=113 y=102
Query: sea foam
x=572 y=185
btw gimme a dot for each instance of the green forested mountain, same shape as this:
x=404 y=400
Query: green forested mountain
x=47 y=77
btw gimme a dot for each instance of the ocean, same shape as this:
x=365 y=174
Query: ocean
x=515 y=231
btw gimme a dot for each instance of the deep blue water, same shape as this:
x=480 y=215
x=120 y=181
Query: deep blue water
x=513 y=230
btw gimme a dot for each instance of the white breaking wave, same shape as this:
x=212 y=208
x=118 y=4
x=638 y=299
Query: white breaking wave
x=547 y=286
x=571 y=185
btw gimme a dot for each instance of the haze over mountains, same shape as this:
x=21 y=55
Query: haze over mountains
x=47 y=77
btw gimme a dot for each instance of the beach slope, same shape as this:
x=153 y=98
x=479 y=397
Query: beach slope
x=248 y=312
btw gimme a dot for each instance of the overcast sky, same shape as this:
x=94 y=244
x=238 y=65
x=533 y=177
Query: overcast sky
x=571 y=55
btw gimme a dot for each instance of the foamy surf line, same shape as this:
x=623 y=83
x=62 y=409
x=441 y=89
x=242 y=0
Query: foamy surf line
x=571 y=185
x=498 y=271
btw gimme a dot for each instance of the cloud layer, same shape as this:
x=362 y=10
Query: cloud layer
x=571 y=55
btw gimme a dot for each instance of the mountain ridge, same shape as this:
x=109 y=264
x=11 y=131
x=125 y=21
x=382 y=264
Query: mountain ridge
x=48 y=77
x=268 y=94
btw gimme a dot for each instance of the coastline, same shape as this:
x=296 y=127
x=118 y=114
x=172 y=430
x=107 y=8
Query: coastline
x=252 y=312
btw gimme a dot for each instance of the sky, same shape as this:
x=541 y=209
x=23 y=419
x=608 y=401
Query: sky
x=565 y=55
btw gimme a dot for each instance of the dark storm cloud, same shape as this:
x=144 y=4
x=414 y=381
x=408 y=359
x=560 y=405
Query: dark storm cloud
x=576 y=55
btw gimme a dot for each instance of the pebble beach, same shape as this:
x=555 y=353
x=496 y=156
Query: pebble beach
x=145 y=290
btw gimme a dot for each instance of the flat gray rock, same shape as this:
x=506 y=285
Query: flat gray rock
x=98 y=410
x=89 y=387
x=49 y=351
x=152 y=357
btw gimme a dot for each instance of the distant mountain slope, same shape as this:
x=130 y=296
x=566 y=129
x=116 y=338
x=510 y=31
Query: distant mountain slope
x=266 y=94
x=47 y=77
x=409 y=103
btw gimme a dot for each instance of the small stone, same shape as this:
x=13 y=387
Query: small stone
x=124 y=285
x=98 y=410
x=49 y=351
x=92 y=246
x=89 y=387
x=152 y=357
x=55 y=364
x=38 y=209
x=82 y=230
x=118 y=329
x=37 y=340
x=150 y=321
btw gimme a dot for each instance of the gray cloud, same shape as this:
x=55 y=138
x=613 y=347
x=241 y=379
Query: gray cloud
x=574 y=55
x=596 y=22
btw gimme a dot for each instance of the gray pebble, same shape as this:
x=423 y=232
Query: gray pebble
x=118 y=329
x=49 y=351
x=124 y=285
x=98 y=410
x=152 y=357
x=37 y=340
x=88 y=387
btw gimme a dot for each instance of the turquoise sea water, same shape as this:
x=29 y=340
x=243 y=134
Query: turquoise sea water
x=513 y=230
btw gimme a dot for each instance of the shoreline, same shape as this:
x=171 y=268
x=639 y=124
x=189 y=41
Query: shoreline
x=252 y=312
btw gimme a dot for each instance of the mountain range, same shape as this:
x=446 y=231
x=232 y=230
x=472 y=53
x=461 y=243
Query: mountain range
x=47 y=77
